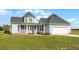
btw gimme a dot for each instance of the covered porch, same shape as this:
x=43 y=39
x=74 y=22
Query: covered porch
x=31 y=29
x=28 y=29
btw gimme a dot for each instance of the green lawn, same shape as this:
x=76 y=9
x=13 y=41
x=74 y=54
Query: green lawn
x=37 y=42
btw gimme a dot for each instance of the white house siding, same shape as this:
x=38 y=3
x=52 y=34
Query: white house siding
x=46 y=29
x=22 y=31
x=59 y=29
x=35 y=20
x=42 y=29
x=27 y=30
x=14 y=28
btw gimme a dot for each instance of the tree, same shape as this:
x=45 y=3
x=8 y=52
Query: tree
x=6 y=27
x=1 y=28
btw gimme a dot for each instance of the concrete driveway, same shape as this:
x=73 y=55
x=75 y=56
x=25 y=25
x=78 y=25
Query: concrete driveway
x=72 y=35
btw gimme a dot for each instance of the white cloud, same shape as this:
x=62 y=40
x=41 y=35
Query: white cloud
x=36 y=11
x=20 y=12
x=38 y=17
x=71 y=20
x=74 y=22
x=39 y=13
x=42 y=12
x=4 y=12
x=29 y=10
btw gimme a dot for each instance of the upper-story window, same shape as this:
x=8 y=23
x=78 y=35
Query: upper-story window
x=30 y=19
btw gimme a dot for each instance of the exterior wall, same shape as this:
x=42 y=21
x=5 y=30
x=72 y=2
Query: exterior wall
x=23 y=31
x=41 y=31
x=35 y=20
x=14 y=28
x=36 y=30
x=32 y=29
x=59 y=29
x=46 y=29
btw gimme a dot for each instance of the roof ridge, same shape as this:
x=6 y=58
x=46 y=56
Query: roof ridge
x=55 y=19
x=29 y=14
x=58 y=17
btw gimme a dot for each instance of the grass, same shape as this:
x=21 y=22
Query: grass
x=38 y=42
x=75 y=31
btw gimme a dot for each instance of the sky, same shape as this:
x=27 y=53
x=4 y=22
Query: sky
x=70 y=15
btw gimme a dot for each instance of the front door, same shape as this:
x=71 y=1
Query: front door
x=23 y=29
x=33 y=29
x=30 y=29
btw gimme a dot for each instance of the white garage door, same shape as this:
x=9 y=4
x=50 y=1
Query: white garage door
x=60 y=30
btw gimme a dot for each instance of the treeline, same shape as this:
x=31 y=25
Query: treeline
x=5 y=29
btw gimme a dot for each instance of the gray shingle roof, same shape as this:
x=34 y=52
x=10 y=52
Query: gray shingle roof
x=42 y=20
x=16 y=20
x=54 y=19
x=28 y=15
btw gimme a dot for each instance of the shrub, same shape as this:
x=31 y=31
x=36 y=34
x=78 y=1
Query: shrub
x=1 y=28
x=7 y=32
x=6 y=27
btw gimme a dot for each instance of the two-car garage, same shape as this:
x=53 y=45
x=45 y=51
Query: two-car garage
x=59 y=29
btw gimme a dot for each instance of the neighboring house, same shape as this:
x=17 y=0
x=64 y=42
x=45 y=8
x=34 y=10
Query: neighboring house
x=28 y=24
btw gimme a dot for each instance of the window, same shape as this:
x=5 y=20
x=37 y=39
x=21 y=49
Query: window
x=41 y=28
x=30 y=19
x=31 y=27
x=34 y=27
x=23 y=27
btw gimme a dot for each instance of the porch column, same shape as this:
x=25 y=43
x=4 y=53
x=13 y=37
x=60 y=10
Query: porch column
x=44 y=29
x=39 y=28
x=19 y=28
x=36 y=29
x=26 y=29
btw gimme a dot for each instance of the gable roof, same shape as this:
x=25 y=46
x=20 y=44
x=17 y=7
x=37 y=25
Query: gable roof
x=42 y=20
x=54 y=19
x=28 y=14
x=16 y=20
x=20 y=19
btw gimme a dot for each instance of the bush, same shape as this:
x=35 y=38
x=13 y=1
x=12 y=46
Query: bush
x=1 y=28
x=7 y=32
x=6 y=27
